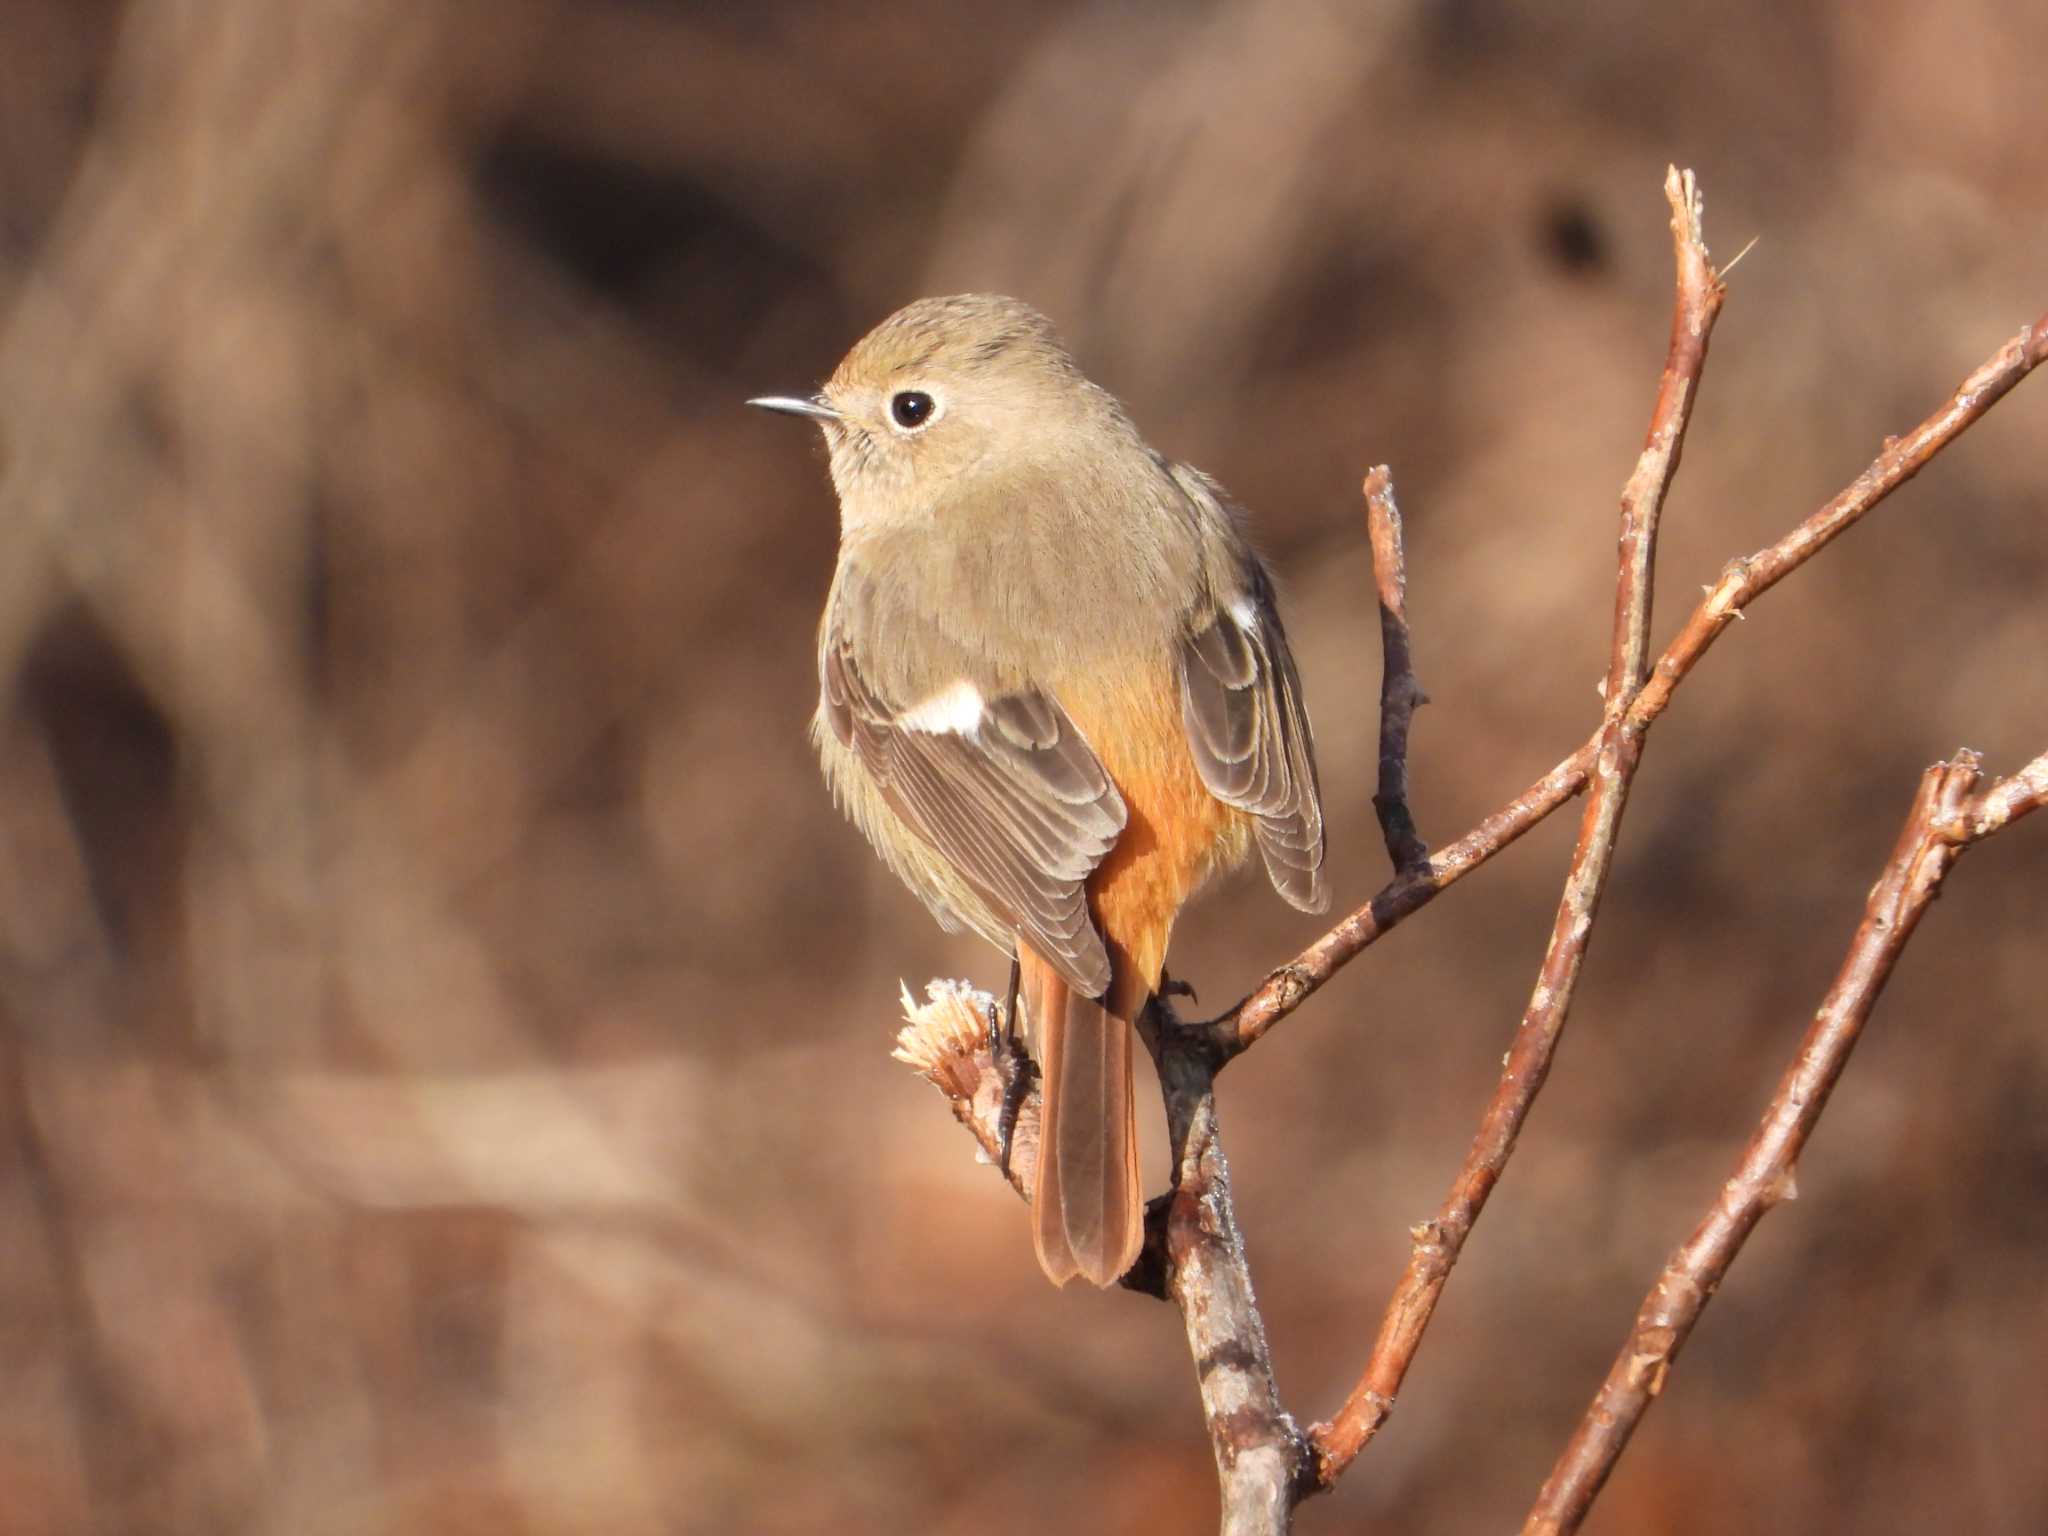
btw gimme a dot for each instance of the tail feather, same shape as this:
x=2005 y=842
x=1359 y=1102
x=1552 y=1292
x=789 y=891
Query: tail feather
x=1088 y=1209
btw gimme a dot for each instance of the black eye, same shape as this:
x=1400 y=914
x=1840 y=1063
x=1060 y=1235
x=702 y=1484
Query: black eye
x=911 y=408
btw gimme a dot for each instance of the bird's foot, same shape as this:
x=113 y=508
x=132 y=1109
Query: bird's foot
x=1015 y=1069
x=1002 y=1028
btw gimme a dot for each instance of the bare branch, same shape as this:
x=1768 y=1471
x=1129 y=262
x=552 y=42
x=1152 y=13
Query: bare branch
x=1700 y=292
x=1400 y=693
x=1741 y=583
x=1194 y=1254
x=1437 y=1245
x=1747 y=579
x=1262 y=1457
x=1946 y=818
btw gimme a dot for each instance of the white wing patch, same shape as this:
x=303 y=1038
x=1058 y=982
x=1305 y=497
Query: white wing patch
x=956 y=709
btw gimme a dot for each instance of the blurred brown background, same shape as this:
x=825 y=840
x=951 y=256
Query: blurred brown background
x=444 y=1026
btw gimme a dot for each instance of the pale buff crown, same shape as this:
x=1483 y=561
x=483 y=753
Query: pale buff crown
x=1006 y=400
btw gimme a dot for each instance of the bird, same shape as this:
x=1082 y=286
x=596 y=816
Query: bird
x=1056 y=697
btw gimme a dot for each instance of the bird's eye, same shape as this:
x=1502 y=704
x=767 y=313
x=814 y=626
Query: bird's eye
x=912 y=408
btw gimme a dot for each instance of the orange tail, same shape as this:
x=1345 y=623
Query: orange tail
x=1088 y=1211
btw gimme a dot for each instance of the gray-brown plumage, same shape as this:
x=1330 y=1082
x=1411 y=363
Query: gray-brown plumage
x=1056 y=697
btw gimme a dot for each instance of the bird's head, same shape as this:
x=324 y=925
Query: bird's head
x=947 y=397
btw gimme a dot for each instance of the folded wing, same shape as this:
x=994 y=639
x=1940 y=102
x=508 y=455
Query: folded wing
x=1241 y=705
x=1002 y=787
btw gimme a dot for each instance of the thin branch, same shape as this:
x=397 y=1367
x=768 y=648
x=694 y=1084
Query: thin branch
x=1262 y=1457
x=1400 y=693
x=1698 y=304
x=1438 y=1242
x=1194 y=1253
x=1745 y=580
x=1741 y=583
x=1287 y=988
x=1947 y=816
x=2002 y=804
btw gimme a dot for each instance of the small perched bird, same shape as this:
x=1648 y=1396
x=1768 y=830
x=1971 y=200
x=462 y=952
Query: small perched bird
x=1056 y=697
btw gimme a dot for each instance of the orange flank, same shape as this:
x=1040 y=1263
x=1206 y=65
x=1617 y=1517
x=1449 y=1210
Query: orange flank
x=1088 y=1211
x=1176 y=833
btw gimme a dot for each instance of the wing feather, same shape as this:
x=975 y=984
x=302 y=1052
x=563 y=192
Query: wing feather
x=1241 y=705
x=1017 y=805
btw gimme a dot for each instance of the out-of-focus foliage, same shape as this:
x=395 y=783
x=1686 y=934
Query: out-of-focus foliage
x=443 y=1025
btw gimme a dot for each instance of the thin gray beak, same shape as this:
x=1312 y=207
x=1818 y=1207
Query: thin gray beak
x=790 y=405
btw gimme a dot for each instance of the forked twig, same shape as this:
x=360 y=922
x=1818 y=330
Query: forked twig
x=1438 y=1242
x=1948 y=815
x=1740 y=584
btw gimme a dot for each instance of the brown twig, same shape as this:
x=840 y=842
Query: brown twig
x=1698 y=304
x=1400 y=693
x=1262 y=1457
x=1741 y=583
x=1999 y=806
x=1438 y=1242
x=1745 y=580
x=1947 y=817
x=1194 y=1254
